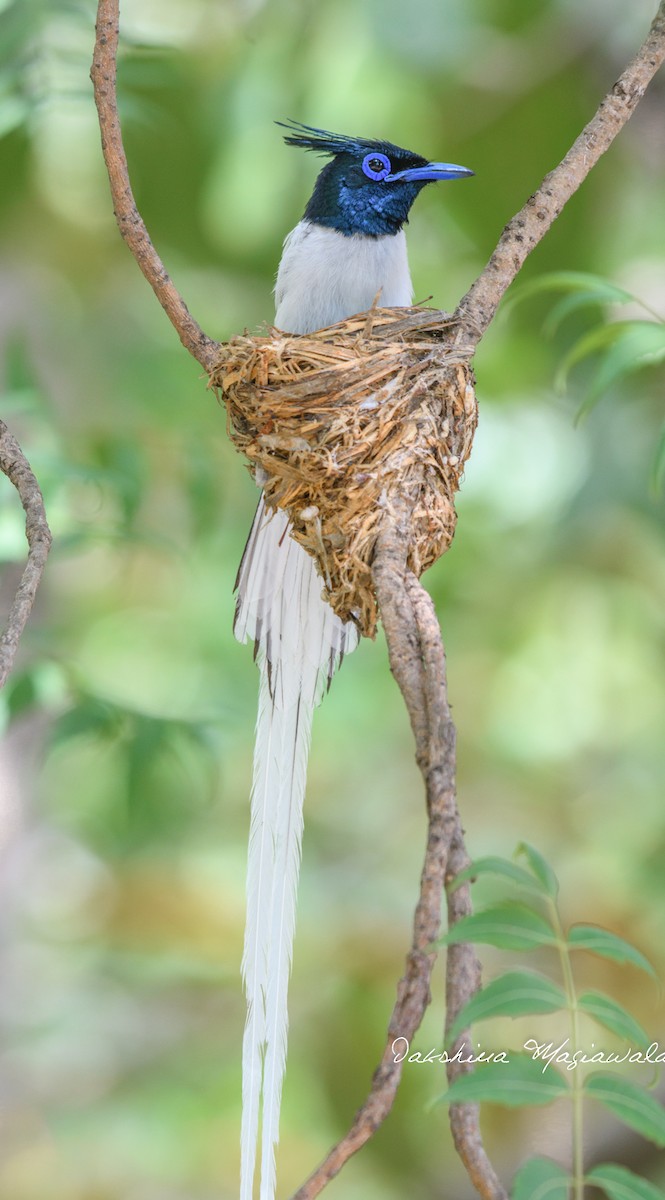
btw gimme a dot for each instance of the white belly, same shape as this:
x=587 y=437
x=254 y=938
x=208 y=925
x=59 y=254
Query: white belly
x=324 y=277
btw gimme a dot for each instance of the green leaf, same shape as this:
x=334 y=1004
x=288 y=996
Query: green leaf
x=593 y=341
x=629 y=345
x=621 y=1184
x=517 y=1083
x=579 y=300
x=613 y=1016
x=90 y=717
x=509 y=926
x=540 y=1179
x=571 y=281
x=642 y=344
x=631 y=1104
x=493 y=865
x=540 y=868
x=21 y=695
x=511 y=995
x=607 y=945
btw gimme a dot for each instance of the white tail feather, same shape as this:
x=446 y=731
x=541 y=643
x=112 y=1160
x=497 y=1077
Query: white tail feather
x=260 y=866
x=299 y=644
x=296 y=731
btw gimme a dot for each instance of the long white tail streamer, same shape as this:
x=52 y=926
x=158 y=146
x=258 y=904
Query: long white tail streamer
x=299 y=643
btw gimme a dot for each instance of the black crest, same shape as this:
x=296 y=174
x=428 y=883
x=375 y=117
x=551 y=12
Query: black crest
x=322 y=141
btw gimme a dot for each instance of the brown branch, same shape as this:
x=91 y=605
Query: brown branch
x=407 y=632
x=130 y=223
x=16 y=467
x=462 y=965
x=417 y=661
x=463 y=980
x=523 y=233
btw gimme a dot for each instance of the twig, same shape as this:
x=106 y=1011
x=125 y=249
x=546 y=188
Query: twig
x=130 y=222
x=462 y=965
x=16 y=467
x=462 y=982
x=523 y=233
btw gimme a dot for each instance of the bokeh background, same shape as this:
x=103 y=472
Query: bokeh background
x=128 y=724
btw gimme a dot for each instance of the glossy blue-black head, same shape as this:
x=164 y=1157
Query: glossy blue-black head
x=369 y=186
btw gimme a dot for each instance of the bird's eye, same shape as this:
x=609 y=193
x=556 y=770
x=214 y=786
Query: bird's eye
x=376 y=166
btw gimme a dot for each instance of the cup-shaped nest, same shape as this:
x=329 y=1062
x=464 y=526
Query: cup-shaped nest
x=337 y=422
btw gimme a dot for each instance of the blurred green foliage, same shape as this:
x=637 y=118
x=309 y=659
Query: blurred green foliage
x=128 y=723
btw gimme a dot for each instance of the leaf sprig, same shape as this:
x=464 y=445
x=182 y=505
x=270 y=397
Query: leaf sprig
x=534 y=922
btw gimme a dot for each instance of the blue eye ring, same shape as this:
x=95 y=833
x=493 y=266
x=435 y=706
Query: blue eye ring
x=376 y=166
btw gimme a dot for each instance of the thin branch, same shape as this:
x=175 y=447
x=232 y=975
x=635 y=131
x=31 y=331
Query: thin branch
x=130 y=223
x=523 y=233
x=16 y=467
x=417 y=661
x=463 y=980
x=462 y=964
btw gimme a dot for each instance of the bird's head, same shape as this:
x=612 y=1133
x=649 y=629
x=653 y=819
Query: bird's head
x=369 y=186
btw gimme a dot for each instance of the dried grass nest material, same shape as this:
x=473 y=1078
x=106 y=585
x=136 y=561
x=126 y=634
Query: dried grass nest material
x=335 y=422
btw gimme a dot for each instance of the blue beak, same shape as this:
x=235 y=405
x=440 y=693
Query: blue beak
x=429 y=173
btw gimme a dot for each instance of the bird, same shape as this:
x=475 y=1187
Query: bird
x=349 y=248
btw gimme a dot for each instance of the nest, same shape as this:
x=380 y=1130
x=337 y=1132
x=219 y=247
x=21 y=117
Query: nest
x=337 y=422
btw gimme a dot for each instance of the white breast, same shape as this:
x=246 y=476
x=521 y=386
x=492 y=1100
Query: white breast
x=325 y=277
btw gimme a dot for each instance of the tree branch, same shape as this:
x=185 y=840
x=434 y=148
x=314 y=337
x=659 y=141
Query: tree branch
x=523 y=233
x=16 y=467
x=130 y=223
x=463 y=980
x=417 y=661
